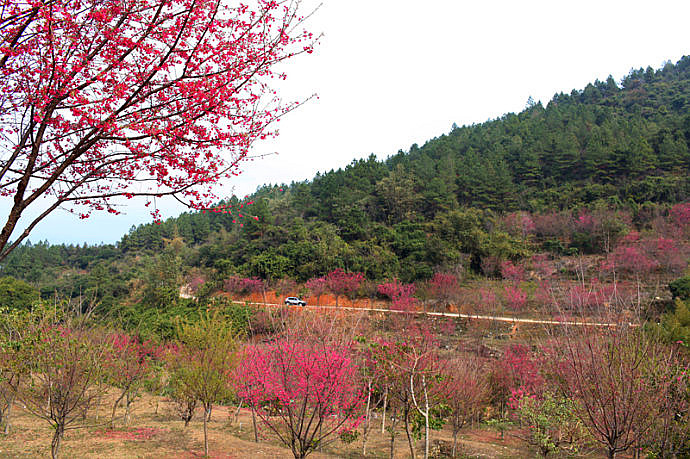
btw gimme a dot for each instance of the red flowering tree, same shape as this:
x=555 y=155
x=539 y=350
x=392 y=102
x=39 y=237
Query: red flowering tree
x=399 y=293
x=340 y=282
x=444 y=288
x=317 y=287
x=245 y=285
x=466 y=392
x=512 y=272
x=515 y=297
x=516 y=375
x=306 y=394
x=101 y=99
x=619 y=380
x=128 y=364
x=65 y=369
x=680 y=214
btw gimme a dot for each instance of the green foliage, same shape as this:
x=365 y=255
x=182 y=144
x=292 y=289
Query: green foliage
x=500 y=424
x=551 y=424
x=674 y=326
x=437 y=420
x=17 y=294
x=163 y=277
x=349 y=436
x=201 y=364
x=680 y=288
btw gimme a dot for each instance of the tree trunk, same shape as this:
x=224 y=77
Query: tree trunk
x=365 y=426
x=426 y=419
x=410 y=440
x=210 y=410
x=117 y=402
x=55 y=444
x=207 y=414
x=612 y=454
x=98 y=402
x=8 y=412
x=383 y=417
x=455 y=442
x=256 y=432
x=128 y=402
x=237 y=412
x=392 y=444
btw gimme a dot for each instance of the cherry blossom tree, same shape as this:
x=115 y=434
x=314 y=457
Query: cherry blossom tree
x=65 y=368
x=317 y=287
x=618 y=379
x=466 y=392
x=516 y=375
x=340 y=282
x=304 y=393
x=128 y=364
x=105 y=99
x=399 y=293
x=444 y=288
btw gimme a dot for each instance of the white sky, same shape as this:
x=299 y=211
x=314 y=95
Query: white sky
x=390 y=73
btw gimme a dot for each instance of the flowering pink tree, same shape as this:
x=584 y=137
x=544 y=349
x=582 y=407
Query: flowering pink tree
x=466 y=392
x=105 y=99
x=399 y=293
x=317 y=287
x=443 y=287
x=632 y=259
x=516 y=375
x=515 y=297
x=340 y=282
x=619 y=380
x=305 y=394
x=680 y=215
x=512 y=272
x=670 y=254
x=128 y=364
x=245 y=285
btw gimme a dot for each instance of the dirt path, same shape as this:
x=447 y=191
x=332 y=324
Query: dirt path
x=514 y=320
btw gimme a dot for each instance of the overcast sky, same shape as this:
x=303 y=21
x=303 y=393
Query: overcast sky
x=392 y=73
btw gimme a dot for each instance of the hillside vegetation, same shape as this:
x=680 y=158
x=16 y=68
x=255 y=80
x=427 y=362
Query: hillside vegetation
x=619 y=152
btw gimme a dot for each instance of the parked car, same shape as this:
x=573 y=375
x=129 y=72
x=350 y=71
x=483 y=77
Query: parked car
x=293 y=300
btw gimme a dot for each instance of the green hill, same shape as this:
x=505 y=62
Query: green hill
x=437 y=206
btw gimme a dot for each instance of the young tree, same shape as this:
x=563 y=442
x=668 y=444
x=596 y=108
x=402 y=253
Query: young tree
x=424 y=369
x=411 y=371
x=618 y=380
x=13 y=324
x=317 y=287
x=128 y=365
x=466 y=392
x=64 y=367
x=550 y=423
x=200 y=367
x=399 y=293
x=305 y=393
x=106 y=99
x=340 y=282
x=444 y=288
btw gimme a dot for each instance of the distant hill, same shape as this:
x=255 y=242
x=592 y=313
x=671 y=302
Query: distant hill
x=610 y=145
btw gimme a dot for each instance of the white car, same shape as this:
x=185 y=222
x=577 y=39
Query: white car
x=294 y=301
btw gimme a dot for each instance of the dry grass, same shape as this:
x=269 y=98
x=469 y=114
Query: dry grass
x=163 y=435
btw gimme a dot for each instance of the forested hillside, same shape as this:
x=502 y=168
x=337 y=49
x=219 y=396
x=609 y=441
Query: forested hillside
x=573 y=176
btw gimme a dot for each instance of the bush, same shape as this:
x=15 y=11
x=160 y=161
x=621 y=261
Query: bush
x=680 y=288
